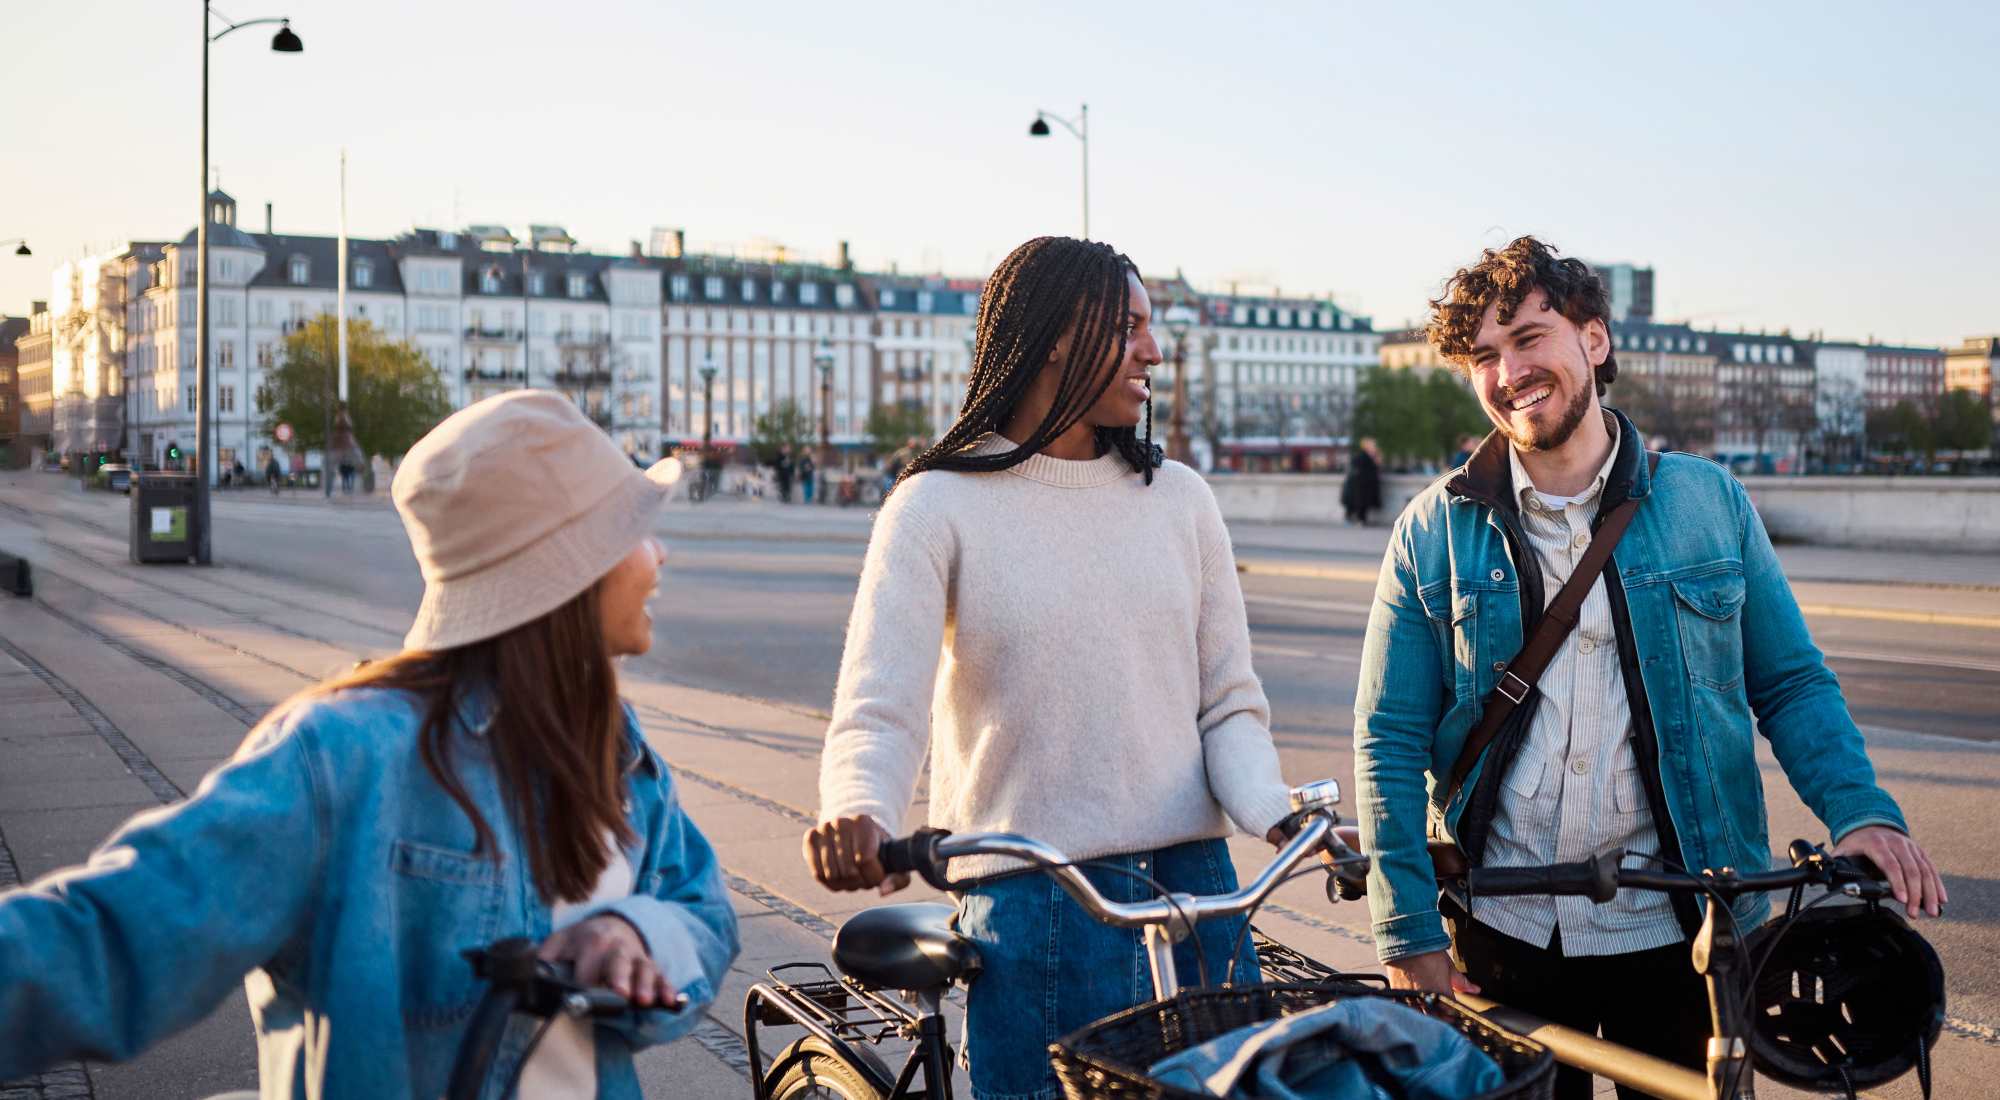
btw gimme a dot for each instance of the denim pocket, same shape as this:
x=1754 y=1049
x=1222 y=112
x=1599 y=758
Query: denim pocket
x=1709 y=611
x=445 y=901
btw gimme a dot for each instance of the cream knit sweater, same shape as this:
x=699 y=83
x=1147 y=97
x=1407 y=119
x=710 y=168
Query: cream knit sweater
x=1070 y=644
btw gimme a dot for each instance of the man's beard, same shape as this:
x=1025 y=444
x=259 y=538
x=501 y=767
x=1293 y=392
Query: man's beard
x=1556 y=434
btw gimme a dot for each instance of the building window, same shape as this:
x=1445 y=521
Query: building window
x=265 y=357
x=777 y=292
x=925 y=301
x=809 y=294
x=576 y=286
x=226 y=399
x=537 y=284
x=749 y=290
x=888 y=297
x=364 y=274
x=489 y=281
x=677 y=288
x=711 y=287
x=225 y=356
x=190 y=390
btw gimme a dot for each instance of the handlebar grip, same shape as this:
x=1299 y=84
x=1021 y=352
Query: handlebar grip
x=915 y=854
x=1595 y=878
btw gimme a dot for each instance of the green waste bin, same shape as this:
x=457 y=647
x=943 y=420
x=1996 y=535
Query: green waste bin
x=163 y=518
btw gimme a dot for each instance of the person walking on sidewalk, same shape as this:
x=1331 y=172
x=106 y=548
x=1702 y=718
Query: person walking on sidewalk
x=1640 y=734
x=1361 y=491
x=806 y=470
x=782 y=470
x=1051 y=613
x=486 y=782
x=274 y=476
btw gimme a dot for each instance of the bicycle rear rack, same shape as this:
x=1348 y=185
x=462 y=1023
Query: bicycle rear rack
x=1279 y=963
x=838 y=1010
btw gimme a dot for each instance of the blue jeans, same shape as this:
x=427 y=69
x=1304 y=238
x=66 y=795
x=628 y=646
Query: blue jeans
x=1050 y=968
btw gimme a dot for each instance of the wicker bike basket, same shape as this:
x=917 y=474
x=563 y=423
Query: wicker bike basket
x=1108 y=1059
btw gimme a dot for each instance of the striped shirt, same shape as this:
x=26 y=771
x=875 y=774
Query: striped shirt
x=1574 y=789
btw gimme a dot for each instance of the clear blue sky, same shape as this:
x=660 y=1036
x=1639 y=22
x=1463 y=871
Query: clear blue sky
x=1824 y=166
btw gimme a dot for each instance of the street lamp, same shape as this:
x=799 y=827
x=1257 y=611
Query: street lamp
x=1180 y=322
x=23 y=250
x=282 y=42
x=823 y=359
x=1080 y=128
x=707 y=427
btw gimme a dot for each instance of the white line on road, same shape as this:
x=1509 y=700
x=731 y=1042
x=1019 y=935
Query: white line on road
x=1927 y=662
x=1306 y=654
x=1309 y=605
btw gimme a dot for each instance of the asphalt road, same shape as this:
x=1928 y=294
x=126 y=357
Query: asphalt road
x=764 y=617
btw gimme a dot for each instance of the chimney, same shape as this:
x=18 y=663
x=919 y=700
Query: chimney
x=637 y=252
x=267 y=220
x=680 y=243
x=846 y=262
x=38 y=306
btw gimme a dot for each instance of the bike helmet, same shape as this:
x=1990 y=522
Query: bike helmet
x=1849 y=996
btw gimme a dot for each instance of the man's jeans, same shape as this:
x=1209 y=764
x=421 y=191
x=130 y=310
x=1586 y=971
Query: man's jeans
x=1050 y=968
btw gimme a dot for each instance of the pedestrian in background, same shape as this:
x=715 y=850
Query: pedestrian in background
x=486 y=782
x=806 y=475
x=1361 y=490
x=273 y=475
x=782 y=469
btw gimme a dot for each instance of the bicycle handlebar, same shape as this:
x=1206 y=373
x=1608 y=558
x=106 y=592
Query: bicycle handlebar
x=927 y=852
x=1599 y=878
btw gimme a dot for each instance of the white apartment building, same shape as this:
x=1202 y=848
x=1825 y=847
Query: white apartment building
x=1283 y=374
x=924 y=341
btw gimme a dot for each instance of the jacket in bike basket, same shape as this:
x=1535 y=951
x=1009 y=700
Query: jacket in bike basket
x=1849 y=997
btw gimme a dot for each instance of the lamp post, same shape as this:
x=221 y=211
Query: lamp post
x=25 y=251
x=823 y=359
x=1180 y=323
x=1080 y=128
x=707 y=423
x=282 y=42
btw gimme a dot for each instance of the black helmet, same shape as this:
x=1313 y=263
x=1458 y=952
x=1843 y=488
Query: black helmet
x=1849 y=997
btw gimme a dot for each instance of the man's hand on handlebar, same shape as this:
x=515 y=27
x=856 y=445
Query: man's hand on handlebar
x=1431 y=971
x=1911 y=875
x=844 y=854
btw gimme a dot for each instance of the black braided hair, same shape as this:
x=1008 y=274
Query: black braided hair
x=1035 y=293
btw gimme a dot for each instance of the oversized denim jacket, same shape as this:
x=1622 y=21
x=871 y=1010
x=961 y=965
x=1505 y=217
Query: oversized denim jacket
x=325 y=869
x=1720 y=646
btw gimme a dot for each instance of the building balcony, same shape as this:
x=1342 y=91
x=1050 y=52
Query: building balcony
x=501 y=334
x=495 y=374
x=586 y=377
x=583 y=339
x=637 y=377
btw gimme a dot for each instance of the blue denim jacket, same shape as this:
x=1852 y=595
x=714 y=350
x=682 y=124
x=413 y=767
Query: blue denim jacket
x=325 y=869
x=1720 y=647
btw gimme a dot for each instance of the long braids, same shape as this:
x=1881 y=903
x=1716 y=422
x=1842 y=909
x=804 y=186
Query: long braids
x=1031 y=298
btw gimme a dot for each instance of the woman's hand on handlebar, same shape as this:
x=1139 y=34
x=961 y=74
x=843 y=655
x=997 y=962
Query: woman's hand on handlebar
x=1431 y=971
x=607 y=951
x=844 y=854
x=1909 y=871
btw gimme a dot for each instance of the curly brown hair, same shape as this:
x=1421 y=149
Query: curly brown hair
x=1507 y=276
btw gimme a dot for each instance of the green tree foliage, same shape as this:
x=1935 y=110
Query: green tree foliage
x=890 y=427
x=786 y=425
x=1964 y=422
x=394 y=394
x=1415 y=419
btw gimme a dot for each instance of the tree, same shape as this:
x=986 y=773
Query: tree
x=891 y=426
x=394 y=394
x=786 y=425
x=1415 y=420
x=1669 y=417
x=1964 y=422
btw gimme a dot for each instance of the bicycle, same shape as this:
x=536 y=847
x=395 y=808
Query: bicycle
x=1719 y=952
x=897 y=962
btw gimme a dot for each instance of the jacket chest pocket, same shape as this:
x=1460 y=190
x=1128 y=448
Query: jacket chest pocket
x=445 y=901
x=1709 y=613
x=1455 y=619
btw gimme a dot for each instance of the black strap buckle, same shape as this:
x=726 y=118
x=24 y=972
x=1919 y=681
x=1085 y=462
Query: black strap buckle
x=1512 y=696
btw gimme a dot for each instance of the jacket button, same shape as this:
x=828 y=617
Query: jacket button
x=1499 y=574
x=1499 y=666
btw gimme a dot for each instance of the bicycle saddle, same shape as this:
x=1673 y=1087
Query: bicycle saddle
x=910 y=946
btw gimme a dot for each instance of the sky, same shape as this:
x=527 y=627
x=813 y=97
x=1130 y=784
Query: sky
x=1826 y=167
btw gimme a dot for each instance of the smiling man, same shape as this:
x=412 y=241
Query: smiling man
x=1639 y=735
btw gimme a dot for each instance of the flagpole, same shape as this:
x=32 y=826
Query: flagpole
x=340 y=296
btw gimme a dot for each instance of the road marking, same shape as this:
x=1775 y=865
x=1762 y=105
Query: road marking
x=1317 y=572
x=1306 y=654
x=1310 y=605
x=1887 y=615
x=1924 y=662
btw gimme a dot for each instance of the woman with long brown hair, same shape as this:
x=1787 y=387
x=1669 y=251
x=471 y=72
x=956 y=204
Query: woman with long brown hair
x=485 y=782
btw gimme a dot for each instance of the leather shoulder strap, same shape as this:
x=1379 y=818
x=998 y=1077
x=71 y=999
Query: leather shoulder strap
x=1525 y=670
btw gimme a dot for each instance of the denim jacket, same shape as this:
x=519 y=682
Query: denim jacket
x=325 y=869
x=1713 y=648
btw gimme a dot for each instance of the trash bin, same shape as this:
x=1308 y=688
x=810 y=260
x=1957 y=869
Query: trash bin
x=163 y=519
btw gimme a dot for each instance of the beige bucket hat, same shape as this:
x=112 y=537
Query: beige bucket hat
x=515 y=505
